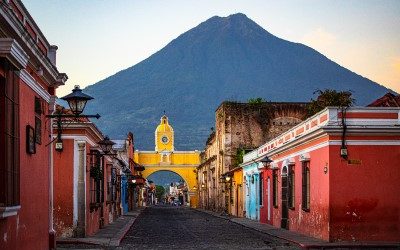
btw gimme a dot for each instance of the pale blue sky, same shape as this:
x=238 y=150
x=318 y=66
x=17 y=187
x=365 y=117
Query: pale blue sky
x=97 y=38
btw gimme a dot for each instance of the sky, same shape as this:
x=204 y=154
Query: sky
x=98 y=38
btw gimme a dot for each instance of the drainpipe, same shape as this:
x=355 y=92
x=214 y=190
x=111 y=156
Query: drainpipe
x=52 y=238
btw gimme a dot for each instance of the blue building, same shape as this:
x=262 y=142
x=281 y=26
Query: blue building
x=124 y=194
x=251 y=178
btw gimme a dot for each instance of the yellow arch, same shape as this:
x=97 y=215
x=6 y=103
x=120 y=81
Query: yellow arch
x=188 y=174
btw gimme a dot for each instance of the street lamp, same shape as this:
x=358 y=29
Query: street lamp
x=106 y=145
x=77 y=101
x=227 y=178
x=266 y=161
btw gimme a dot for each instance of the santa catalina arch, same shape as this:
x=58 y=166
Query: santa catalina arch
x=164 y=157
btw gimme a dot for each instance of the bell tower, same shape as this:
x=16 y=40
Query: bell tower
x=164 y=136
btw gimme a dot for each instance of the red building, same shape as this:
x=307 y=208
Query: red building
x=335 y=176
x=84 y=180
x=28 y=79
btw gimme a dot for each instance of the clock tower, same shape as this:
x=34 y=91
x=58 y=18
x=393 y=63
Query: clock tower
x=164 y=136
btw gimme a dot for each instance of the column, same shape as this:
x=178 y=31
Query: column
x=81 y=224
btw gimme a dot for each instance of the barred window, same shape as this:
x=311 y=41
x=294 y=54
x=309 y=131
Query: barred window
x=305 y=186
x=275 y=188
x=291 y=200
x=9 y=137
x=97 y=178
x=261 y=188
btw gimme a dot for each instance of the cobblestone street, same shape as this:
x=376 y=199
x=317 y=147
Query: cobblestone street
x=167 y=227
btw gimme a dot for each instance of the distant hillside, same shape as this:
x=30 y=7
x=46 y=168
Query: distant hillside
x=223 y=58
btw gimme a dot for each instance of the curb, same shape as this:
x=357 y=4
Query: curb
x=121 y=234
x=112 y=242
x=326 y=245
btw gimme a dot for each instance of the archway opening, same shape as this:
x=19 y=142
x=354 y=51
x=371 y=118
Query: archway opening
x=170 y=188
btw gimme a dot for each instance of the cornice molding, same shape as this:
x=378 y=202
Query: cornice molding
x=13 y=52
x=57 y=78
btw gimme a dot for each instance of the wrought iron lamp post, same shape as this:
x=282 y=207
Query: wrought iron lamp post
x=106 y=145
x=266 y=161
x=77 y=102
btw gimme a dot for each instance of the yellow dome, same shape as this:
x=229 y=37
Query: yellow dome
x=164 y=125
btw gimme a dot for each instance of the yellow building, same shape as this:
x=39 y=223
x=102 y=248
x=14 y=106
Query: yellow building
x=165 y=158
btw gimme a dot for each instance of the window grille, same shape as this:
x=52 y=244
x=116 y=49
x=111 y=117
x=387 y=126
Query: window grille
x=96 y=180
x=291 y=190
x=275 y=188
x=306 y=186
x=9 y=138
x=261 y=189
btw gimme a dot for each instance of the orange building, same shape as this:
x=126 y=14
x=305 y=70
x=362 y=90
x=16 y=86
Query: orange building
x=85 y=183
x=28 y=79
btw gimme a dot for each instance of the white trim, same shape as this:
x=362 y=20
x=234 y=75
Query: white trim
x=10 y=49
x=85 y=125
x=78 y=138
x=338 y=143
x=304 y=157
x=31 y=82
x=9 y=211
x=75 y=172
x=307 y=150
x=289 y=161
x=329 y=125
x=367 y=142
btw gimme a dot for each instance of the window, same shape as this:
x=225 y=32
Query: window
x=275 y=188
x=261 y=188
x=305 y=186
x=38 y=120
x=111 y=185
x=9 y=138
x=291 y=190
x=96 y=180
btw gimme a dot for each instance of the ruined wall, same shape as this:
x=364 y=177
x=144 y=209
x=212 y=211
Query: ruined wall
x=244 y=125
x=247 y=126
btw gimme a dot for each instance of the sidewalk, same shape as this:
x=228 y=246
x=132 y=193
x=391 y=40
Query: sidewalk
x=303 y=241
x=110 y=235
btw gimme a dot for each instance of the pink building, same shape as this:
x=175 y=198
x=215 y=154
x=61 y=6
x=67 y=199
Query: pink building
x=28 y=79
x=335 y=176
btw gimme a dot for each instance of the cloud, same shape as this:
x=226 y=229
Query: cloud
x=319 y=39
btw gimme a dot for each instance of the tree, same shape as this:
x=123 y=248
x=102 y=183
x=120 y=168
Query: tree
x=160 y=191
x=330 y=97
x=257 y=100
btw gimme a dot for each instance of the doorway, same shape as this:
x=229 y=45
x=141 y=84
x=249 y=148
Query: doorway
x=285 y=208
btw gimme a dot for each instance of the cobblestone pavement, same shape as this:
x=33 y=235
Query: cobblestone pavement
x=167 y=227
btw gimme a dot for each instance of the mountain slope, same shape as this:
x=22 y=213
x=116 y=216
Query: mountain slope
x=223 y=58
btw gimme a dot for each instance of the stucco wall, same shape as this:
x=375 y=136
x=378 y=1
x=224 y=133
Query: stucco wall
x=29 y=229
x=314 y=222
x=63 y=189
x=365 y=204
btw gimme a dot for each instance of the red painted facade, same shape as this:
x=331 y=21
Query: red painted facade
x=25 y=191
x=352 y=198
x=66 y=164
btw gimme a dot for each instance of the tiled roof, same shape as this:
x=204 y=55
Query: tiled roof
x=388 y=100
x=65 y=111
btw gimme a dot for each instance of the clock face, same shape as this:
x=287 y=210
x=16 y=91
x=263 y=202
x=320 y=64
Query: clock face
x=164 y=139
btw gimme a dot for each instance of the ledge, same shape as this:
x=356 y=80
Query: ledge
x=9 y=211
x=10 y=49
